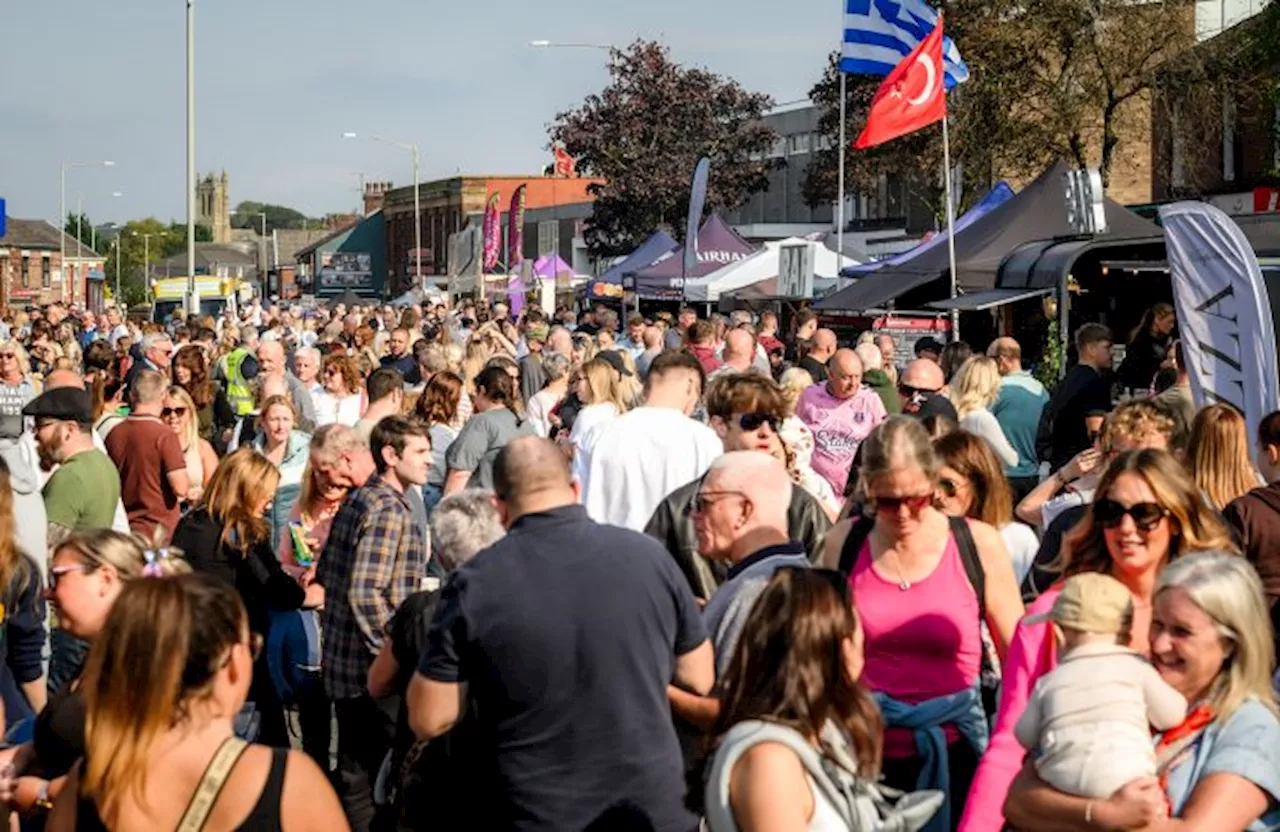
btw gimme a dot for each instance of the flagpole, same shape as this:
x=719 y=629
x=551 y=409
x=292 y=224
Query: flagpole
x=840 y=175
x=951 y=224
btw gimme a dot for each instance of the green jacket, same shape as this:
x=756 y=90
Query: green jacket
x=879 y=382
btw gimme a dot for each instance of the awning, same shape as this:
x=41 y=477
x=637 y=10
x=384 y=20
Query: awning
x=874 y=291
x=979 y=301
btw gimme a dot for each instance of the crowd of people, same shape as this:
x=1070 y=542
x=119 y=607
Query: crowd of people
x=463 y=566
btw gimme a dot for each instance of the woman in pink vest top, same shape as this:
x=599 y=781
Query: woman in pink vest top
x=920 y=612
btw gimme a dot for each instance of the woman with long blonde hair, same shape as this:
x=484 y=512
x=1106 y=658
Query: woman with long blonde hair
x=228 y=537
x=600 y=390
x=974 y=388
x=1218 y=455
x=179 y=412
x=163 y=687
x=87 y=572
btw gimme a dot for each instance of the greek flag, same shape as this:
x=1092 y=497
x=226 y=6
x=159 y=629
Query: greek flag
x=878 y=34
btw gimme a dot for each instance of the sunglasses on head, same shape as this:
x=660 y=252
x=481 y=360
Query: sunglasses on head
x=892 y=505
x=752 y=421
x=1146 y=516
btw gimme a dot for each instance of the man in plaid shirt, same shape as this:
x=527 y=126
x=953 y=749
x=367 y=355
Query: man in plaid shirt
x=375 y=557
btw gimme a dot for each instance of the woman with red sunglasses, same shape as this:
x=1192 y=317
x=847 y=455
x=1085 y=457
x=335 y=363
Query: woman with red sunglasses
x=922 y=583
x=1146 y=512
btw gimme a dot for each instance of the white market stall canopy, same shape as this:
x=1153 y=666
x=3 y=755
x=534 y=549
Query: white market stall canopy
x=762 y=266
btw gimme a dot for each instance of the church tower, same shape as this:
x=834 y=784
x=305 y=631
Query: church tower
x=213 y=206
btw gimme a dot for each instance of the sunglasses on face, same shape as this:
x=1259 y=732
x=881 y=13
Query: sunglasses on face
x=908 y=392
x=892 y=505
x=1146 y=516
x=750 y=422
x=173 y=411
x=948 y=487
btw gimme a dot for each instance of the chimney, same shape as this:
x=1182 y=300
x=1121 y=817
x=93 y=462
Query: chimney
x=374 y=193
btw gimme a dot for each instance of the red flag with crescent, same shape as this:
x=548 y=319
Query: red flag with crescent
x=912 y=96
x=565 y=165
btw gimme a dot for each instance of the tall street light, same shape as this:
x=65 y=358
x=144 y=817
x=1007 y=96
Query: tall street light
x=193 y=294
x=146 y=256
x=62 y=211
x=547 y=44
x=417 y=205
x=116 y=243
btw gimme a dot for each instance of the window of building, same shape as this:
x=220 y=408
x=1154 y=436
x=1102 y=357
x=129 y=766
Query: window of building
x=26 y=272
x=779 y=148
x=45 y=272
x=798 y=144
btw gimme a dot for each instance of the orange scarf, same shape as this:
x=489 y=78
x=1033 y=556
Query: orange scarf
x=1173 y=744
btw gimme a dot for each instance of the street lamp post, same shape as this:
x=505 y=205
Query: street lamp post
x=146 y=256
x=62 y=211
x=193 y=293
x=417 y=204
x=116 y=243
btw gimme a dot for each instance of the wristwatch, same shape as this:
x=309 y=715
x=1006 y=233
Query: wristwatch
x=42 y=797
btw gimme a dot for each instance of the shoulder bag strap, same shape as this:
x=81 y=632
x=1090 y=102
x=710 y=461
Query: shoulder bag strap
x=858 y=533
x=215 y=776
x=968 y=550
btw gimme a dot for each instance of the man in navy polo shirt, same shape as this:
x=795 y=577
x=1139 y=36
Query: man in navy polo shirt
x=563 y=637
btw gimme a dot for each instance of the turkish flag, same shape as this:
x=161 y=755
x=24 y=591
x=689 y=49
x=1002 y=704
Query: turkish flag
x=913 y=96
x=565 y=164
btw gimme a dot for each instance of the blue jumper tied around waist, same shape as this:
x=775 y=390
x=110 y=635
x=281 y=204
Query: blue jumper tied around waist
x=926 y=719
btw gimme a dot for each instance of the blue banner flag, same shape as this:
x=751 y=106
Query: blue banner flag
x=878 y=34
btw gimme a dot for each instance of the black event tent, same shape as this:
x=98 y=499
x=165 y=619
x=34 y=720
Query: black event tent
x=1037 y=212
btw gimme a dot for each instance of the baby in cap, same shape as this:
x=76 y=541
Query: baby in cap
x=1089 y=720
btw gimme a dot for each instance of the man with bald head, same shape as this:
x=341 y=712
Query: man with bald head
x=821 y=348
x=919 y=388
x=841 y=413
x=740 y=514
x=271 y=365
x=592 y=623
x=737 y=355
x=1018 y=409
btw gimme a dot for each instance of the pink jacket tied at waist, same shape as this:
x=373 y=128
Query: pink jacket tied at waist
x=1031 y=655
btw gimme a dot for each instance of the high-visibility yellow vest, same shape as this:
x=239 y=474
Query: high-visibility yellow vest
x=238 y=392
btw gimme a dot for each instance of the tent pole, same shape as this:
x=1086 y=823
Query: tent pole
x=840 y=175
x=951 y=224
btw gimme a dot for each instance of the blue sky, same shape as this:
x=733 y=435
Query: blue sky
x=278 y=81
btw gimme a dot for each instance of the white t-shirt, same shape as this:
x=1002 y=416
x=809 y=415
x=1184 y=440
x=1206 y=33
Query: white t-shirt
x=1022 y=543
x=344 y=411
x=586 y=430
x=639 y=458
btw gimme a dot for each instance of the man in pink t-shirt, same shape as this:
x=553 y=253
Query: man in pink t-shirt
x=840 y=412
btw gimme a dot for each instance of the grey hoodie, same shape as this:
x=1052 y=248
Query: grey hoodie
x=28 y=503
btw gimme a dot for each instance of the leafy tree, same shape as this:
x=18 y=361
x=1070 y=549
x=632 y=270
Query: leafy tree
x=87 y=236
x=644 y=133
x=248 y=215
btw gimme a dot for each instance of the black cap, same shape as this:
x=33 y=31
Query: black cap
x=928 y=344
x=70 y=404
x=615 y=361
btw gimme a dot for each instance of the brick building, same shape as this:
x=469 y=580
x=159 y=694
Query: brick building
x=31 y=270
x=448 y=205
